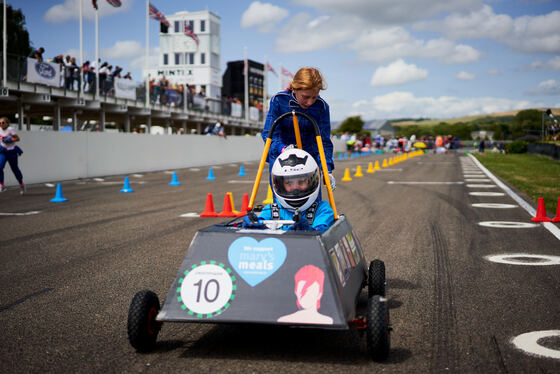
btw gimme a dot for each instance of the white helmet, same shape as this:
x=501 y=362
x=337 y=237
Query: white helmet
x=295 y=179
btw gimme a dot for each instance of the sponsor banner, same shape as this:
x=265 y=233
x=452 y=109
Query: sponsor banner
x=125 y=88
x=236 y=110
x=199 y=102
x=43 y=72
x=253 y=113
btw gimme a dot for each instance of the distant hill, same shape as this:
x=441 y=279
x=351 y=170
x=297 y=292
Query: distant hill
x=429 y=122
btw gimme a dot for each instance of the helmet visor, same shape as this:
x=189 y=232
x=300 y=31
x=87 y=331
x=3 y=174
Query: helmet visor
x=296 y=186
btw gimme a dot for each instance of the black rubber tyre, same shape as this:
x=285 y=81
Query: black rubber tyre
x=142 y=326
x=377 y=328
x=376 y=278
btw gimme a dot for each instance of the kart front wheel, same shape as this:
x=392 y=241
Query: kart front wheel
x=376 y=278
x=142 y=326
x=378 y=328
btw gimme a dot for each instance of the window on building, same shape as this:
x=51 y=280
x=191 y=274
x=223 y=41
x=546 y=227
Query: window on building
x=203 y=58
x=177 y=58
x=165 y=59
x=190 y=24
x=189 y=58
x=176 y=26
x=202 y=26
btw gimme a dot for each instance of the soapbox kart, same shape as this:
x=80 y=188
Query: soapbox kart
x=233 y=274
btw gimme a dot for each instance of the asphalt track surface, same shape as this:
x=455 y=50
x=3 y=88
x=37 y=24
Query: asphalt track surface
x=69 y=272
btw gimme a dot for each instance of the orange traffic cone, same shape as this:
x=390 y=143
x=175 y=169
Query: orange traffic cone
x=359 y=173
x=244 y=205
x=370 y=169
x=346 y=177
x=232 y=203
x=541 y=212
x=557 y=218
x=226 y=212
x=209 y=210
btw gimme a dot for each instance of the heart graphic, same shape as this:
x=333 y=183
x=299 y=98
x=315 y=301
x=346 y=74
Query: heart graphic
x=255 y=261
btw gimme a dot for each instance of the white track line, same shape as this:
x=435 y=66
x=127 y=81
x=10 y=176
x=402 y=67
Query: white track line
x=525 y=205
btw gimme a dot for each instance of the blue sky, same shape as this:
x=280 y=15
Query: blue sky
x=381 y=58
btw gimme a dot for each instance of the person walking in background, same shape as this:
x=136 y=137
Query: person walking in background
x=9 y=152
x=301 y=96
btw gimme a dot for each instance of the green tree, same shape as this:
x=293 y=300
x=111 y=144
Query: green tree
x=18 y=36
x=353 y=125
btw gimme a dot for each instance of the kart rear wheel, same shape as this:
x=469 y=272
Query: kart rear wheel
x=377 y=328
x=376 y=278
x=142 y=326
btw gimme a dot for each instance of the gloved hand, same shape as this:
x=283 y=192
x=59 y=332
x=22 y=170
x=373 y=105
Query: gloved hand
x=333 y=181
x=300 y=222
x=291 y=146
x=8 y=140
x=253 y=222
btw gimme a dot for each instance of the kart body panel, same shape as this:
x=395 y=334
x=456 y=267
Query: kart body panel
x=236 y=275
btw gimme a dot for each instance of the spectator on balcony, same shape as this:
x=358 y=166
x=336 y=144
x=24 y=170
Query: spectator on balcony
x=127 y=76
x=37 y=54
x=103 y=70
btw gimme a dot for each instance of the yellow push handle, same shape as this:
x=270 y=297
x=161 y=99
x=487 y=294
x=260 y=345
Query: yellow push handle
x=326 y=174
x=259 y=173
x=296 y=130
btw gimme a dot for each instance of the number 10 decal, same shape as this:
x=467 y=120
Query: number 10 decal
x=207 y=289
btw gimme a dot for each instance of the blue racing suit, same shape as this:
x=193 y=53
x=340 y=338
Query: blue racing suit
x=283 y=136
x=324 y=217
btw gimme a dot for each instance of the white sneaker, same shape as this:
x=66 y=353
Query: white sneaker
x=3 y=188
x=22 y=189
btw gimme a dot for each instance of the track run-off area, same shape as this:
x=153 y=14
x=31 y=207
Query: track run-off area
x=473 y=285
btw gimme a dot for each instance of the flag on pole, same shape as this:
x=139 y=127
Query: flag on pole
x=190 y=33
x=115 y=3
x=94 y=2
x=270 y=68
x=156 y=14
x=287 y=73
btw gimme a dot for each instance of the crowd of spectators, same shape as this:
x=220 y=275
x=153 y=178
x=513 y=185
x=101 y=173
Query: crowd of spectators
x=72 y=76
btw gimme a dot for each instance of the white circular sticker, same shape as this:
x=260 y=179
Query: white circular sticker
x=508 y=225
x=531 y=260
x=207 y=289
x=529 y=342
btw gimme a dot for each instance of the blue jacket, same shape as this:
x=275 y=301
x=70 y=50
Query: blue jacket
x=324 y=215
x=285 y=101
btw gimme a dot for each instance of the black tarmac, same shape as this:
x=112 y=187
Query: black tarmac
x=69 y=272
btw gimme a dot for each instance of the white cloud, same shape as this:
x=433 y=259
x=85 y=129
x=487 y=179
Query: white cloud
x=389 y=11
x=401 y=104
x=264 y=16
x=548 y=87
x=527 y=34
x=381 y=45
x=493 y=72
x=320 y=33
x=69 y=10
x=552 y=64
x=398 y=72
x=464 y=76
x=140 y=62
x=124 y=49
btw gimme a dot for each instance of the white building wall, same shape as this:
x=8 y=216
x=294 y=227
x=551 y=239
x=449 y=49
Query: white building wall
x=207 y=74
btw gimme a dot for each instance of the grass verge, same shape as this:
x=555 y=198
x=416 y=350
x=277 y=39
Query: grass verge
x=537 y=176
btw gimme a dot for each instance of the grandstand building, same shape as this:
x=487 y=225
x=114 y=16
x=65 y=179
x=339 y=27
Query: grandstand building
x=184 y=61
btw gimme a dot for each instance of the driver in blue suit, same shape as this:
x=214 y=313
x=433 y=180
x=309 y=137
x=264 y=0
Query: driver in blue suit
x=296 y=183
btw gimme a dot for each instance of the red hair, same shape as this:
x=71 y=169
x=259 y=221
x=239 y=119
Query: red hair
x=309 y=274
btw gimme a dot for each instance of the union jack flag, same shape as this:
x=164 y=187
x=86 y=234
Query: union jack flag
x=115 y=3
x=156 y=14
x=270 y=68
x=190 y=33
x=287 y=73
